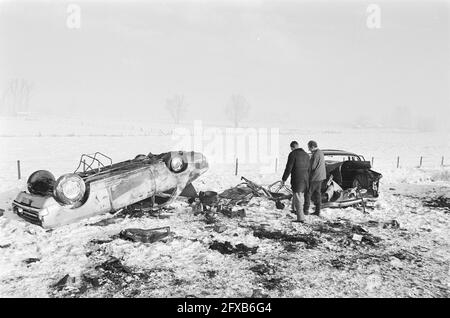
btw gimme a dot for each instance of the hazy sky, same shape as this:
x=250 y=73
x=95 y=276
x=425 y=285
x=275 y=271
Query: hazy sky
x=297 y=58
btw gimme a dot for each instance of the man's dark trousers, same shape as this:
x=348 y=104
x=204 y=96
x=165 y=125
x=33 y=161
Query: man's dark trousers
x=314 y=193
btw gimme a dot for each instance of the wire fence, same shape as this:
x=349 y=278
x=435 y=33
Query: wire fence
x=22 y=168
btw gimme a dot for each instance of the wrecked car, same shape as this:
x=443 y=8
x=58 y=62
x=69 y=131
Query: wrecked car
x=96 y=188
x=350 y=181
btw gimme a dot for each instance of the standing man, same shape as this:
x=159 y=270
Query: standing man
x=298 y=167
x=317 y=175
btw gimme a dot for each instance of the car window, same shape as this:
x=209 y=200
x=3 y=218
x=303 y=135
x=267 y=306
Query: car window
x=336 y=158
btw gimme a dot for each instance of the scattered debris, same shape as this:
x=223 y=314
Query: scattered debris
x=220 y=228
x=338 y=263
x=31 y=260
x=279 y=205
x=263 y=269
x=197 y=206
x=112 y=270
x=343 y=230
x=114 y=265
x=405 y=255
x=2 y=211
x=104 y=222
x=372 y=223
x=257 y=293
x=211 y=274
x=139 y=210
x=210 y=218
x=438 y=202
x=5 y=246
x=92 y=279
x=309 y=239
x=227 y=249
x=395 y=259
x=208 y=198
x=59 y=285
x=352 y=261
x=273 y=283
x=234 y=213
x=236 y=196
x=145 y=235
x=98 y=241
x=391 y=225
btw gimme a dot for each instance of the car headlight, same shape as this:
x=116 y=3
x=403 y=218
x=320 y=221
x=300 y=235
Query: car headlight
x=176 y=164
x=69 y=189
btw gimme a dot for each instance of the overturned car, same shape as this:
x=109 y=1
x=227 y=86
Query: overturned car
x=95 y=187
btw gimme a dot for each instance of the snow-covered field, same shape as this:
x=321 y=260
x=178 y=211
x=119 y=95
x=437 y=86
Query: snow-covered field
x=322 y=258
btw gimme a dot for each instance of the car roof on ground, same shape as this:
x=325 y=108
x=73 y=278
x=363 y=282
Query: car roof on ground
x=336 y=152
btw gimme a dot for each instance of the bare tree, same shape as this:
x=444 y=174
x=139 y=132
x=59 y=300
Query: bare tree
x=16 y=96
x=237 y=109
x=177 y=107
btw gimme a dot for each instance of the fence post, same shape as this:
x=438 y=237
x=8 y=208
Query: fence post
x=19 y=176
x=420 y=164
x=442 y=161
x=237 y=164
x=276 y=164
x=372 y=161
x=398 y=161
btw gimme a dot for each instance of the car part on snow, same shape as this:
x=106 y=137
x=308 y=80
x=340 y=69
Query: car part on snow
x=246 y=190
x=145 y=236
x=96 y=188
x=208 y=197
x=227 y=248
x=31 y=260
x=393 y=224
x=233 y=213
x=114 y=265
x=60 y=284
x=220 y=228
x=238 y=195
x=309 y=239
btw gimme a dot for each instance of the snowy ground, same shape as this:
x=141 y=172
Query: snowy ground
x=322 y=258
x=412 y=260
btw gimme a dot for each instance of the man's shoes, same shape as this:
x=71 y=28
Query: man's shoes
x=292 y=211
x=316 y=214
x=299 y=221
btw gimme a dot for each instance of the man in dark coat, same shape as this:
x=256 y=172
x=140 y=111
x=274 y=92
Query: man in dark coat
x=298 y=167
x=317 y=175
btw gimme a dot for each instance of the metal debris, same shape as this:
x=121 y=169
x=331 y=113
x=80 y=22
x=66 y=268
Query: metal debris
x=31 y=260
x=227 y=248
x=145 y=235
x=114 y=265
x=59 y=285
x=309 y=239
